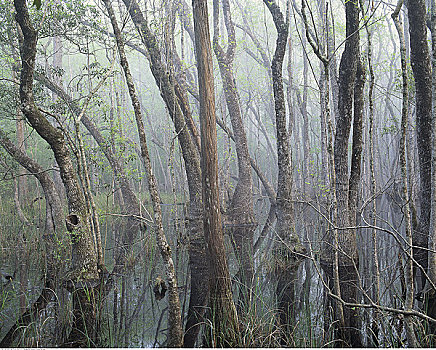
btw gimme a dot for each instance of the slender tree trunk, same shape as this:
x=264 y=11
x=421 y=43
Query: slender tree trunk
x=22 y=180
x=176 y=107
x=341 y=262
x=241 y=213
x=304 y=114
x=175 y=336
x=403 y=163
x=431 y=311
x=54 y=224
x=376 y=322
x=287 y=250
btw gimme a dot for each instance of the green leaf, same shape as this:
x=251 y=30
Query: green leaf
x=37 y=3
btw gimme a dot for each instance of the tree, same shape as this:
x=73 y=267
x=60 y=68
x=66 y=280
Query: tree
x=420 y=62
x=340 y=256
x=54 y=225
x=178 y=107
x=84 y=276
x=223 y=316
x=175 y=337
x=288 y=251
x=241 y=216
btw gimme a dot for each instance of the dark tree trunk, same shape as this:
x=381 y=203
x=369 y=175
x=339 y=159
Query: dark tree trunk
x=432 y=238
x=420 y=61
x=351 y=80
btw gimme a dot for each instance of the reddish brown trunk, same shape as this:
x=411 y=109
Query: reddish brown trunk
x=223 y=317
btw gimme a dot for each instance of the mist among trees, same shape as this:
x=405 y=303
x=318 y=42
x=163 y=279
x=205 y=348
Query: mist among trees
x=220 y=173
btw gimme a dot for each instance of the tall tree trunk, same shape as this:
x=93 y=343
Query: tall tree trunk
x=175 y=336
x=403 y=163
x=84 y=258
x=420 y=61
x=287 y=250
x=376 y=320
x=223 y=316
x=431 y=311
x=242 y=221
x=340 y=256
x=304 y=114
x=177 y=107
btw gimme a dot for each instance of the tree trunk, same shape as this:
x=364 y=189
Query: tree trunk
x=287 y=251
x=129 y=202
x=408 y=303
x=84 y=259
x=241 y=216
x=197 y=247
x=54 y=224
x=420 y=61
x=342 y=263
x=175 y=336
x=432 y=256
x=223 y=316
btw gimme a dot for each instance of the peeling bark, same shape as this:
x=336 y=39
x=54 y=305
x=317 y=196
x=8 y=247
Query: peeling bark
x=223 y=316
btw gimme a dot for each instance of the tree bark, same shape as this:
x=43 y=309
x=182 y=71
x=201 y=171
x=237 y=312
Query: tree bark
x=197 y=247
x=175 y=336
x=432 y=234
x=403 y=164
x=241 y=216
x=84 y=257
x=340 y=256
x=288 y=250
x=420 y=61
x=223 y=316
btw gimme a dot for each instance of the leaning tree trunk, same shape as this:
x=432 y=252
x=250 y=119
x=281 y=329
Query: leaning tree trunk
x=175 y=330
x=223 y=316
x=287 y=250
x=54 y=225
x=241 y=216
x=130 y=203
x=176 y=108
x=84 y=275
